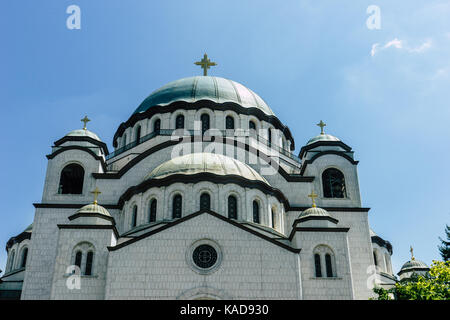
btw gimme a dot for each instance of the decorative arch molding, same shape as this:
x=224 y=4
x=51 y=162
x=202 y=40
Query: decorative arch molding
x=326 y=144
x=203 y=177
x=85 y=149
x=226 y=140
x=324 y=153
x=226 y=106
x=204 y=293
x=82 y=139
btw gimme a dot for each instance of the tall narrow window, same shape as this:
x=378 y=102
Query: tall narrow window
x=124 y=140
x=328 y=265
x=179 y=122
x=24 y=258
x=375 y=260
x=134 y=217
x=269 y=135
x=11 y=260
x=205 y=201
x=317 y=265
x=205 y=123
x=138 y=134
x=157 y=126
x=333 y=184
x=232 y=207
x=78 y=257
x=176 y=206
x=255 y=211
x=89 y=258
x=152 y=213
x=229 y=122
x=71 y=180
x=274 y=219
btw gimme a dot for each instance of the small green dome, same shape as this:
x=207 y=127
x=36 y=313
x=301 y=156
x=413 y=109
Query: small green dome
x=83 y=133
x=194 y=163
x=93 y=208
x=193 y=89
x=322 y=137
x=414 y=264
x=314 y=212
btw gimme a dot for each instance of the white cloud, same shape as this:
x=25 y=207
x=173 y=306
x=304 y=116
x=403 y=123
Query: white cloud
x=401 y=45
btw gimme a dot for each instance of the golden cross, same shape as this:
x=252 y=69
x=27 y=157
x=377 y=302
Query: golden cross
x=313 y=196
x=205 y=63
x=85 y=120
x=412 y=253
x=96 y=192
x=321 y=124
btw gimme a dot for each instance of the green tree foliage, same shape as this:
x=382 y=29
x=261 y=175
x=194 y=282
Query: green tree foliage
x=434 y=286
x=444 y=249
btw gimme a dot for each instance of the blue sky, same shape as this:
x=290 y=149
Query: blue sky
x=383 y=92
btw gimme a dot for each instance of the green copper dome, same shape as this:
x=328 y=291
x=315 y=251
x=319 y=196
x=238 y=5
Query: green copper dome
x=93 y=208
x=414 y=264
x=322 y=137
x=215 y=89
x=314 y=212
x=83 y=133
x=205 y=162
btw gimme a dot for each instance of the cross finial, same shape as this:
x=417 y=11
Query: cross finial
x=96 y=192
x=85 y=120
x=313 y=196
x=412 y=253
x=205 y=63
x=321 y=124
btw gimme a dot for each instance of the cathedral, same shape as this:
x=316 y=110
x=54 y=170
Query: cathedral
x=201 y=198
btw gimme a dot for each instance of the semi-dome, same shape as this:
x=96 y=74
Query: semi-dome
x=93 y=208
x=83 y=133
x=314 y=212
x=194 y=163
x=413 y=265
x=193 y=89
x=322 y=137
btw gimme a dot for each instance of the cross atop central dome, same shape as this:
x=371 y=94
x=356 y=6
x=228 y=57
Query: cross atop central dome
x=215 y=89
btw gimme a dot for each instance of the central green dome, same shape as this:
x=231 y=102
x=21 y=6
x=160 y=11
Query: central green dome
x=215 y=89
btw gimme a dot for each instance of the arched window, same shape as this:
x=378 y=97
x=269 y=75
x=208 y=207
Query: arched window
x=205 y=201
x=274 y=219
x=317 y=265
x=179 y=122
x=387 y=258
x=255 y=211
x=89 y=259
x=71 y=180
x=134 y=217
x=177 y=206
x=323 y=253
x=328 y=265
x=124 y=140
x=157 y=126
x=333 y=184
x=23 y=262
x=205 y=123
x=152 y=213
x=78 y=257
x=11 y=260
x=229 y=122
x=232 y=207
x=138 y=134
x=251 y=125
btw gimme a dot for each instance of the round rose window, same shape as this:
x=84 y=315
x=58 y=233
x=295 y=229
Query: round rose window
x=204 y=256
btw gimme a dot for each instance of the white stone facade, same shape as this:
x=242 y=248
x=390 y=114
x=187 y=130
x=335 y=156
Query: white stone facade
x=135 y=256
